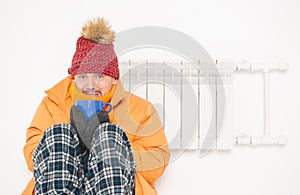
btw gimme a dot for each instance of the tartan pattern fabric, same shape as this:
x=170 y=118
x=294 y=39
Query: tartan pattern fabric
x=58 y=167
x=57 y=162
x=112 y=167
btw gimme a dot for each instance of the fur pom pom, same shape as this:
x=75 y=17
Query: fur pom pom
x=98 y=30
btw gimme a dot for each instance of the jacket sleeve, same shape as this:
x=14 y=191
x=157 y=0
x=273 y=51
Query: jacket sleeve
x=40 y=122
x=150 y=146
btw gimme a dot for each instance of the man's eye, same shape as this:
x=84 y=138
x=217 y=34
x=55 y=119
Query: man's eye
x=82 y=77
x=100 y=76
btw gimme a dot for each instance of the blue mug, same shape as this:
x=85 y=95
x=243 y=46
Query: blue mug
x=91 y=107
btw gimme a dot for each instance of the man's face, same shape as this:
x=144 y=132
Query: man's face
x=94 y=84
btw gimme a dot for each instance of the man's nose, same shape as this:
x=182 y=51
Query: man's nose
x=91 y=83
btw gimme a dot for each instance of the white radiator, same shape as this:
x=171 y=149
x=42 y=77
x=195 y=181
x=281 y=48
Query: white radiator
x=195 y=104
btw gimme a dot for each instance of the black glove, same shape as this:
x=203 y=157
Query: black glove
x=86 y=128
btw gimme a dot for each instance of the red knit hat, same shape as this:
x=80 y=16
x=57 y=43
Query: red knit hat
x=95 y=51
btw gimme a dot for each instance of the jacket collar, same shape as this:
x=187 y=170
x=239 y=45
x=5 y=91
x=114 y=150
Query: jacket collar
x=118 y=94
x=60 y=91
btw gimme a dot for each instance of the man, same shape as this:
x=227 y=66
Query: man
x=120 y=152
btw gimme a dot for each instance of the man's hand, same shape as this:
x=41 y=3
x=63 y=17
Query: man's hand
x=84 y=128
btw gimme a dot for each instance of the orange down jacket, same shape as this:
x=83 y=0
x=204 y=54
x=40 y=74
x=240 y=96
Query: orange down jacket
x=136 y=116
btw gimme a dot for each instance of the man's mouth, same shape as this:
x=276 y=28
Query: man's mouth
x=93 y=93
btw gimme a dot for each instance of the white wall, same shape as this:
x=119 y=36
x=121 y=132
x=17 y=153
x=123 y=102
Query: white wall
x=36 y=48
